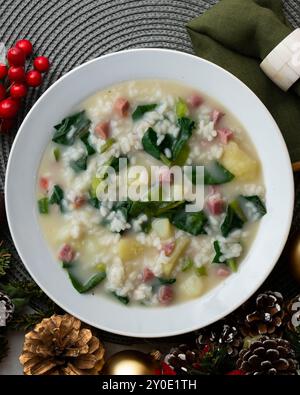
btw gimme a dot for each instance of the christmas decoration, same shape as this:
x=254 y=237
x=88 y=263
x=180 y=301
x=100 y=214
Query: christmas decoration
x=15 y=80
x=293 y=314
x=221 y=335
x=61 y=345
x=265 y=316
x=183 y=359
x=294 y=257
x=6 y=309
x=131 y=362
x=4 y=260
x=268 y=356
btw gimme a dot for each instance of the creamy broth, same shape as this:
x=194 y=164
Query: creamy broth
x=136 y=262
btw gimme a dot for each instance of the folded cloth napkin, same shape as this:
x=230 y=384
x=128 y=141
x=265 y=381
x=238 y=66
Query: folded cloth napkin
x=237 y=35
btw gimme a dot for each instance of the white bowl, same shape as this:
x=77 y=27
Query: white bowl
x=34 y=135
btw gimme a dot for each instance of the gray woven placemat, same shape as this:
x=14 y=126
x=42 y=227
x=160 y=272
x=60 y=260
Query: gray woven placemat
x=71 y=32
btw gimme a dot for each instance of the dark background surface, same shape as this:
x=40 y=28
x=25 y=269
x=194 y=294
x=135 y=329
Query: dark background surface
x=74 y=31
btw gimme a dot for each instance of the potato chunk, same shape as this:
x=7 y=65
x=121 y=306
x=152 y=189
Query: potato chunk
x=162 y=228
x=191 y=287
x=129 y=249
x=238 y=162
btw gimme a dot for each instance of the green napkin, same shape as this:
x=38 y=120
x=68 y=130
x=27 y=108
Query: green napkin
x=237 y=35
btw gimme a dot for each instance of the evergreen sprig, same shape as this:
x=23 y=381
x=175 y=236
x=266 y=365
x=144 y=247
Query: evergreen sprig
x=5 y=257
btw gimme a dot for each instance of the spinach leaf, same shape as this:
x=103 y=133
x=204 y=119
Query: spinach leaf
x=124 y=207
x=85 y=139
x=166 y=281
x=186 y=126
x=57 y=197
x=153 y=209
x=94 y=202
x=43 y=205
x=217 y=251
x=90 y=284
x=149 y=142
x=70 y=128
x=167 y=207
x=182 y=156
x=141 y=110
x=79 y=164
x=192 y=223
x=115 y=164
x=252 y=207
x=231 y=222
x=215 y=174
x=122 y=299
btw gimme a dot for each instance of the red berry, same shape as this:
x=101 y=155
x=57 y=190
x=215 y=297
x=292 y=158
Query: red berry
x=33 y=78
x=2 y=92
x=41 y=63
x=8 y=108
x=3 y=71
x=16 y=73
x=15 y=57
x=18 y=90
x=25 y=46
x=6 y=125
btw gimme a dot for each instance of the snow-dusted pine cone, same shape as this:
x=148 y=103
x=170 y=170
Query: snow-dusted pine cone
x=7 y=309
x=268 y=356
x=265 y=316
x=221 y=335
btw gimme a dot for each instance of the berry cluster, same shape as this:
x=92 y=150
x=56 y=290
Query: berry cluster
x=15 y=80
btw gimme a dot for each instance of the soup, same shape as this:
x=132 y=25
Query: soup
x=149 y=251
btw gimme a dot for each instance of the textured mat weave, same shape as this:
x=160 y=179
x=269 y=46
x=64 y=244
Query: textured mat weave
x=71 y=32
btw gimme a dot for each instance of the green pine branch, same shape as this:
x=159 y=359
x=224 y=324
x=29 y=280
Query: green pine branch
x=5 y=257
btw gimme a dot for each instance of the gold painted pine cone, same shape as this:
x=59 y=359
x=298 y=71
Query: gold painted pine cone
x=60 y=345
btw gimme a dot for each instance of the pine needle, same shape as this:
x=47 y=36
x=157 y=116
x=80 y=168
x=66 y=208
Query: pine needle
x=5 y=258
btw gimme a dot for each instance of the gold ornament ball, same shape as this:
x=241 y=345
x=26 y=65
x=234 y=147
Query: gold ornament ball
x=294 y=257
x=130 y=362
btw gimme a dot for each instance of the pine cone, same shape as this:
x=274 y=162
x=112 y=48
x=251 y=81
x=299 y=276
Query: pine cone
x=268 y=356
x=183 y=359
x=221 y=335
x=7 y=309
x=266 y=317
x=59 y=345
x=293 y=314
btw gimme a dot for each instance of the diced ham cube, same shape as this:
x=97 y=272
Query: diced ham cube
x=225 y=135
x=148 y=275
x=79 y=201
x=66 y=254
x=44 y=183
x=121 y=107
x=168 y=248
x=102 y=129
x=165 y=176
x=215 y=204
x=216 y=116
x=194 y=100
x=165 y=294
x=223 y=272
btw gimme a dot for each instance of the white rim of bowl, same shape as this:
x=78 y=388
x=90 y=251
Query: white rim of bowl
x=280 y=248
